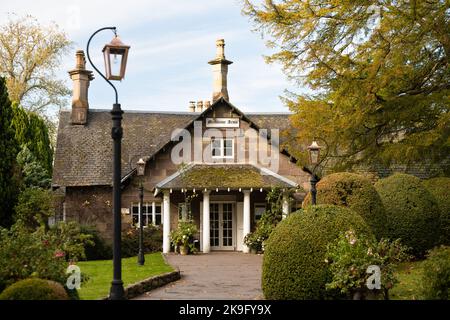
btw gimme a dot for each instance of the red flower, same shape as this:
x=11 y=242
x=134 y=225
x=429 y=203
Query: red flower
x=59 y=254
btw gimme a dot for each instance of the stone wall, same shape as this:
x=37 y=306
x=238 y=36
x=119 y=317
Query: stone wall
x=91 y=206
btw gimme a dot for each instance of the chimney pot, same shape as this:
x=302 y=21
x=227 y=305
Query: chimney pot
x=192 y=106
x=220 y=49
x=80 y=60
x=199 y=106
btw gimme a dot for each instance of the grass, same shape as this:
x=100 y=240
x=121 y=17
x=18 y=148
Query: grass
x=409 y=285
x=100 y=274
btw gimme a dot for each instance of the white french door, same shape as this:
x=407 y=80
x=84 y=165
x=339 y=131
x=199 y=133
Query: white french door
x=221 y=226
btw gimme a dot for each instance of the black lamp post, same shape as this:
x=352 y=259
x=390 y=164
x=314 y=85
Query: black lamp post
x=115 y=49
x=314 y=154
x=140 y=173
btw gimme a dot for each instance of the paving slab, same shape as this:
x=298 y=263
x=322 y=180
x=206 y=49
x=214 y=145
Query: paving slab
x=212 y=276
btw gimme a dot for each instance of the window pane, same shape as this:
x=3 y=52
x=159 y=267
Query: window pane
x=228 y=152
x=216 y=148
x=228 y=143
x=135 y=209
x=158 y=219
x=158 y=208
x=215 y=143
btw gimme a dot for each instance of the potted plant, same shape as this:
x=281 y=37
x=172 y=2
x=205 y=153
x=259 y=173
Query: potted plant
x=183 y=237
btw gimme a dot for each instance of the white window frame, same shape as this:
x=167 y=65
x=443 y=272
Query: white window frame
x=222 y=148
x=147 y=216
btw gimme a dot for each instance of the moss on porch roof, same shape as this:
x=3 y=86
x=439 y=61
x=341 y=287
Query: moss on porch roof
x=223 y=176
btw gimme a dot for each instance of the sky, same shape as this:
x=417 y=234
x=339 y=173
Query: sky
x=171 y=43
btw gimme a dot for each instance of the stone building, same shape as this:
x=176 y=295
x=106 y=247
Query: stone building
x=226 y=160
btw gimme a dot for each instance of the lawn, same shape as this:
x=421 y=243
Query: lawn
x=408 y=287
x=100 y=274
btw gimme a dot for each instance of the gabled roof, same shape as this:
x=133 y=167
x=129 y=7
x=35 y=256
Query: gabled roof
x=227 y=175
x=83 y=153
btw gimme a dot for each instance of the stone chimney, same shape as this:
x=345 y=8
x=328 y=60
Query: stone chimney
x=191 y=106
x=220 y=71
x=206 y=104
x=81 y=78
x=199 y=106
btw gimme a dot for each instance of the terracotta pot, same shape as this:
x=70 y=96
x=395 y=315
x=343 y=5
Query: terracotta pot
x=184 y=250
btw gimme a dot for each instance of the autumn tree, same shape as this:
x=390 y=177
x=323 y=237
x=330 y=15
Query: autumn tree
x=30 y=54
x=8 y=152
x=376 y=72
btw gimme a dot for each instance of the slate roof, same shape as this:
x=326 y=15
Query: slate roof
x=83 y=153
x=231 y=176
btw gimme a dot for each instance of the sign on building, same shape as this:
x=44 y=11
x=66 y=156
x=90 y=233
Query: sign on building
x=222 y=122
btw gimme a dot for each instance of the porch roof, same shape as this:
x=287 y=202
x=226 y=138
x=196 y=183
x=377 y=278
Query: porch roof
x=233 y=176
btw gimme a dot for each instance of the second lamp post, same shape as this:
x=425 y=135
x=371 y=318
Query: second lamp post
x=140 y=173
x=314 y=154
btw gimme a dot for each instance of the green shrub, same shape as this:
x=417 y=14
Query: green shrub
x=34 y=289
x=25 y=254
x=34 y=207
x=183 y=236
x=436 y=274
x=440 y=189
x=152 y=241
x=69 y=238
x=412 y=212
x=294 y=264
x=269 y=219
x=349 y=258
x=355 y=192
x=98 y=249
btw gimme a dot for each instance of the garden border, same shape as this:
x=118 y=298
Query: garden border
x=141 y=287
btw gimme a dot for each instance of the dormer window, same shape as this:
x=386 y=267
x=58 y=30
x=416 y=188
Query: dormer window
x=222 y=148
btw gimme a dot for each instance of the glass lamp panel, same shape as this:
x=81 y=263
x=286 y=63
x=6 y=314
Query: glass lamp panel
x=116 y=63
x=314 y=156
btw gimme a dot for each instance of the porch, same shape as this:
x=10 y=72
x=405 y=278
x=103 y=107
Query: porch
x=226 y=201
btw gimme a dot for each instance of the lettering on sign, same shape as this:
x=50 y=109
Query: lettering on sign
x=222 y=122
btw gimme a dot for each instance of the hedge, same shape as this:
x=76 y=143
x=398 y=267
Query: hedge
x=355 y=192
x=440 y=189
x=34 y=289
x=294 y=261
x=412 y=212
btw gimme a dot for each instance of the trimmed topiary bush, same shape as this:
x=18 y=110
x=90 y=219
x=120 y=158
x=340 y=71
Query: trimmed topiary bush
x=412 y=212
x=294 y=264
x=440 y=189
x=355 y=192
x=34 y=289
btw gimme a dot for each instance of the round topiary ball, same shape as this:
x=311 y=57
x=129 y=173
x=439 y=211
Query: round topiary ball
x=34 y=289
x=439 y=188
x=412 y=212
x=294 y=259
x=355 y=192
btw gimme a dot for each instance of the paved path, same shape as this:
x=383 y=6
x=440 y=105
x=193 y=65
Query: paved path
x=217 y=275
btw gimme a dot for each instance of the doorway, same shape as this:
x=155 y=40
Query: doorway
x=221 y=226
